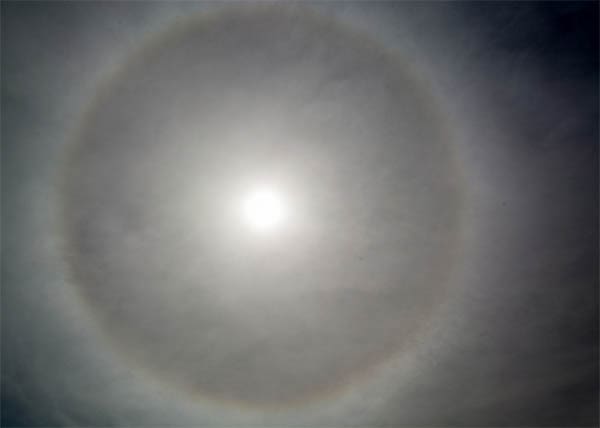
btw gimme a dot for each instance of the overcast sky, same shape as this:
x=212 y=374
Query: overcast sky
x=437 y=165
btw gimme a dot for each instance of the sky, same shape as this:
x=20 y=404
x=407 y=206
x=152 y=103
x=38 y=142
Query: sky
x=315 y=214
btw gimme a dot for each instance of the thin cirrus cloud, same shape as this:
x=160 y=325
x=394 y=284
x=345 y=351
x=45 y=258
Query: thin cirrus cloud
x=285 y=214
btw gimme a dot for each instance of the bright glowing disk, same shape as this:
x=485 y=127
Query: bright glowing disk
x=264 y=209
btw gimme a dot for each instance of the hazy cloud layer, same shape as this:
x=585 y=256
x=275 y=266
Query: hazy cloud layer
x=440 y=165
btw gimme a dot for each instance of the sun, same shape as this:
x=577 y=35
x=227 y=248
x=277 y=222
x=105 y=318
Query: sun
x=264 y=209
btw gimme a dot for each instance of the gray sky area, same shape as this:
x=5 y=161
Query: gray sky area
x=299 y=214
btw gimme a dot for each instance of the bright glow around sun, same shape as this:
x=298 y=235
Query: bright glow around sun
x=264 y=209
